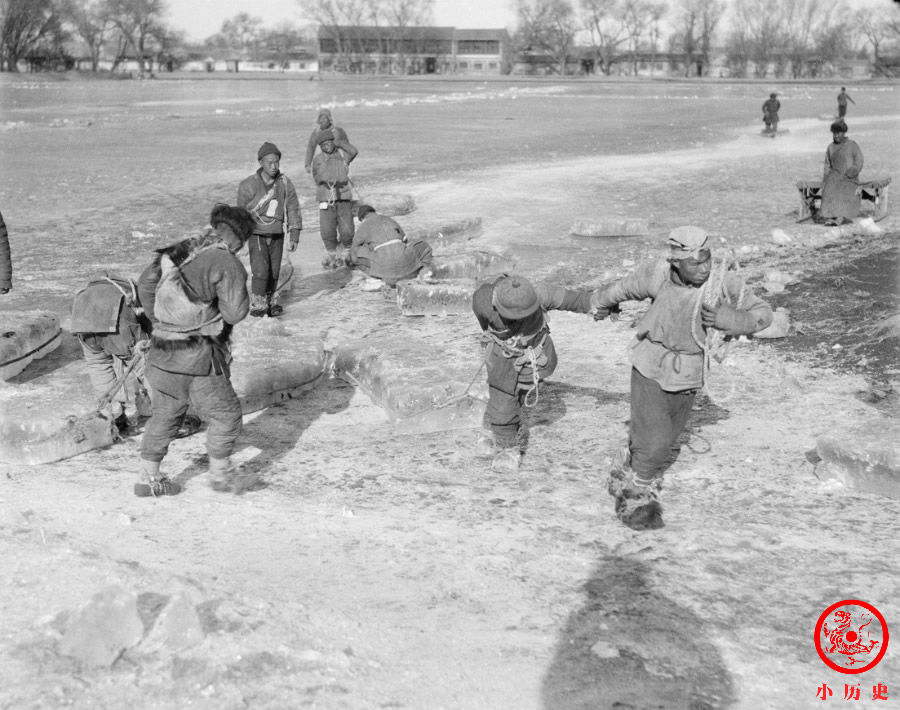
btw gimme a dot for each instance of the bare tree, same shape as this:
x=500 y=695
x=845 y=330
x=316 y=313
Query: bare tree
x=638 y=14
x=699 y=20
x=139 y=22
x=90 y=22
x=547 y=25
x=606 y=29
x=338 y=20
x=26 y=24
x=877 y=26
x=242 y=31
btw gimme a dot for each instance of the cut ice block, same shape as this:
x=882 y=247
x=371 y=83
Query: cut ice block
x=24 y=337
x=473 y=265
x=53 y=415
x=443 y=232
x=866 y=457
x=610 y=227
x=271 y=365
x=410 y=381
x=417 y=298
x=391 y=204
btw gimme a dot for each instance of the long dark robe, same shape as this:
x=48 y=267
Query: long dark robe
x=843 y=163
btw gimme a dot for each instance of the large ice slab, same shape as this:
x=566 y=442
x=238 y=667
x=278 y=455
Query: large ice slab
x=866 y=457
x=52 y=416
x=410 y=382
x=610 y=227
x=417 y=298
x=271 y=365
x=25 y=337
x=474 y=265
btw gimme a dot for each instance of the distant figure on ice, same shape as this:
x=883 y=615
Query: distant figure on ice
x=194 y=292
x=842 y=100
x=382 y=251
x=843 y=163
x=667 y=358
x=324 y=123
x=5 y=259
x=770 y=114
x=331 y=173
x=519 y=354
x=272 y=200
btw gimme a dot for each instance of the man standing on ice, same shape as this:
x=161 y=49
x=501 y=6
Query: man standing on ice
x=272 y=200
x=331 y=174
x=194 y=292
x=324 y=123
x=668 y=359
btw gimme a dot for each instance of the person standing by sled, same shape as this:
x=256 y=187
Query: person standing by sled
x=270 y=197
x=194 y=292
x=668 y=359
x=770 y=111
x=519 y=355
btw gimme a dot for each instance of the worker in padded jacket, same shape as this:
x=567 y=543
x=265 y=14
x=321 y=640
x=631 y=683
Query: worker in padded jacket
x=668 y=359
x=194 y=292
x=519 y=355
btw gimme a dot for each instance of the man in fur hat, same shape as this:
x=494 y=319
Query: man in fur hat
x=194 y=292
x=519 y=355
x=270 y=197
x=668 y=359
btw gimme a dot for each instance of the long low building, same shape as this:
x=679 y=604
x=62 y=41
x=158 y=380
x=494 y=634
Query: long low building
x=357 y=49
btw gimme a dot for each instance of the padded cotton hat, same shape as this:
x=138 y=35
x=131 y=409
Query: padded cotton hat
x=267 y=149
x=515 y=298
x=685 y=241
x=324 y=112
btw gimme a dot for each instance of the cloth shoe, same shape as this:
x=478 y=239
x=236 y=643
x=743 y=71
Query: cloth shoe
x=275 y=310
x=506 y=461
x=259 y=305
x=331 y=260
x=156 y=484
x=638 y=506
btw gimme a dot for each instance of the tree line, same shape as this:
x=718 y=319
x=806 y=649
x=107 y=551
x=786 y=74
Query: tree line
x=757 y=38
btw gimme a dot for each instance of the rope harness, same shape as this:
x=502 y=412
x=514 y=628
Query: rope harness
x=532 y=356
x=711 y=341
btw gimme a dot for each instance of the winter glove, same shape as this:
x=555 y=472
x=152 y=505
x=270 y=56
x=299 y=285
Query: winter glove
x=728 y=319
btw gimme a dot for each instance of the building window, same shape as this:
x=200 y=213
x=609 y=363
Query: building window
x=492 y=65
x=478 y=46
x=477 y=66
x=463 y=65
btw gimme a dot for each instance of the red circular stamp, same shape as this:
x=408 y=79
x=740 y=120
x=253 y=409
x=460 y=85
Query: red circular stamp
x=851 y=636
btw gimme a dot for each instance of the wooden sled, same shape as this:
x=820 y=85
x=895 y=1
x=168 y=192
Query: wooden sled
x=873 y=195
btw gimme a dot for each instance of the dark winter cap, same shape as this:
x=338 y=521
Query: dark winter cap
x=324 y=112
x=325 y=135
x=515 y=298
x=363 y=210
x=772 y=95
x=267 y=149
x=839 y=127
